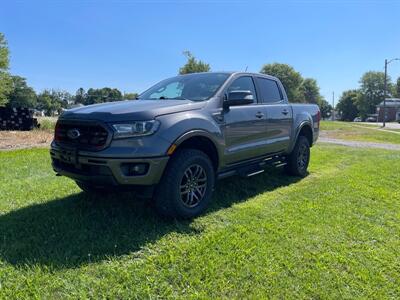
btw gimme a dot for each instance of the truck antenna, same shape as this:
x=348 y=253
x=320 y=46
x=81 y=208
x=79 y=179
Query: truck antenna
x=246 y=68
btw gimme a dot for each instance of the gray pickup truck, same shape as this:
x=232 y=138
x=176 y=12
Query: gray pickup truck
x=182 y=134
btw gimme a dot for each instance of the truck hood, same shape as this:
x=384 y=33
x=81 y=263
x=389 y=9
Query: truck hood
x=134 y=110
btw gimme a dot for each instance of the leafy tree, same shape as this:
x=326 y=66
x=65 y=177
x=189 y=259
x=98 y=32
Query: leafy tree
x=21 y=94
x=63 y=97
x=80 y=96
x=371 y=92
x=93 y=96
x=325 y=108
x=193 y=65
x=5 y=80
x=113 y=94
x=290 y=78
x=102 y=95
x=4 y=61
x=52 y=101
x=309 y=91
x=130 y=96
x=397 y=88
x=47 y=102
x=347 y=105
x=5 y=87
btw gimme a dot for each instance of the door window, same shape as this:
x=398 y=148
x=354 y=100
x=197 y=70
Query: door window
x=244 y=83
x=269 y=90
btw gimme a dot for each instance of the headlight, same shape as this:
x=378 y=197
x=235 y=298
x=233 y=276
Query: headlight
x=137 y=128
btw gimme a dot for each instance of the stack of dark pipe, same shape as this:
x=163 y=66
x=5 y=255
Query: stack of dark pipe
x=17 y=118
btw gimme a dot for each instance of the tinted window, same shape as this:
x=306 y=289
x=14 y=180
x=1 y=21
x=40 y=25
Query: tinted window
x=169 y=91
x=244 y=83
x=196 y=87
x=269 y=91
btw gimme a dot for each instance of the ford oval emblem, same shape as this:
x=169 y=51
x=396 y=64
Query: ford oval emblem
x=73 y=134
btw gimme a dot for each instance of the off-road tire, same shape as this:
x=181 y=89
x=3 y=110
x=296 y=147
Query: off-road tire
x=298 y=160
x=168 y=200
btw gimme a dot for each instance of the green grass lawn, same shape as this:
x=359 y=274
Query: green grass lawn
x=334 y=234
x=358 y=132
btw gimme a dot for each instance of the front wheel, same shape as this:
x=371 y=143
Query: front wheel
x=187 y=184
x=299 y=159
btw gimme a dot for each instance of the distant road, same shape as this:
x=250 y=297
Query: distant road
x=359 y=144
x=388 y=125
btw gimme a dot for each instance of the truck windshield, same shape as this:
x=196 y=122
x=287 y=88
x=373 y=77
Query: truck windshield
x=195 y=87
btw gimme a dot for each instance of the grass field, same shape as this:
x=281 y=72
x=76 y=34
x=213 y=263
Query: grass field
x=355 y=132
x=334 y=234
x=47 y=123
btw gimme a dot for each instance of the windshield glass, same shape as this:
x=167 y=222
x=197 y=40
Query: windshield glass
x=195 y=87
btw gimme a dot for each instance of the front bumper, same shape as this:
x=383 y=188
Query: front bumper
x=104 y=170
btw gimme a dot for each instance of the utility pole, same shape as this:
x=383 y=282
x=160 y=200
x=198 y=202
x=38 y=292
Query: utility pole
x=333 y=106
x=384 y=95
x=384 y=90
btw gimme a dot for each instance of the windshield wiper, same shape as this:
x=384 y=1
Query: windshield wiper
x=180 y=98
x=175 y=98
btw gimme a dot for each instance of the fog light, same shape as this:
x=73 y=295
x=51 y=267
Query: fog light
x=135 y=169
x=138 y=169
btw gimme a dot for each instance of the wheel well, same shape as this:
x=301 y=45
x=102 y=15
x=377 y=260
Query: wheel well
x=307 y=132
x=203 y=144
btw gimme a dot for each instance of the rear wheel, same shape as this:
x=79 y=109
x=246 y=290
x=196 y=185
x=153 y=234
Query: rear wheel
x=186 y=187
x=299 y=159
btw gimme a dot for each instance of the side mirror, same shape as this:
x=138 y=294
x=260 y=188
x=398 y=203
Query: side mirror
x=238 y=98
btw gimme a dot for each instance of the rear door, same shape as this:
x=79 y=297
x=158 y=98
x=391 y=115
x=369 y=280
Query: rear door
x=279 y=114
x=244 y=125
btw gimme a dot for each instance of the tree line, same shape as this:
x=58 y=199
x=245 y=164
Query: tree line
x=362 y=101
x=53 y=101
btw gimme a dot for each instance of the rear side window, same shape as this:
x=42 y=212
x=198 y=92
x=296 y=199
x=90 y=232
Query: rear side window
x=244 y=83
x=269 y=90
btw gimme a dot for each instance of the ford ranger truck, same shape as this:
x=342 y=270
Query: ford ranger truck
x=183 y=134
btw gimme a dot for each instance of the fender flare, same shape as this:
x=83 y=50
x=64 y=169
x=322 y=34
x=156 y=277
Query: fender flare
x=205 y=134
x=299 y=128
x=192 y=133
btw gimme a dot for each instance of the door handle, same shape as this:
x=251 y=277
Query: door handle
x=285 y=111
x=259 y=115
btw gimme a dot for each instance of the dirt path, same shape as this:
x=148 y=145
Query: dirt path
x=359 y=144
x=11 y=140
x=378 y=128
x=389 y=125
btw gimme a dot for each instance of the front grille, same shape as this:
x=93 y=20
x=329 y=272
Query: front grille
x=82 y=135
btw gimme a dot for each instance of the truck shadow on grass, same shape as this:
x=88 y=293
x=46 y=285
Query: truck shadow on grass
x=78 y=229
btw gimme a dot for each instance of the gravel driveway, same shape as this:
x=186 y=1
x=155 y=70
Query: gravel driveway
x=388 y=125
x=358 y=144
x=11 y=140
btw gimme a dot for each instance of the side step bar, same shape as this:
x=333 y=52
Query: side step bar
x=255 y=173
x=255 y=168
